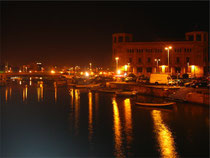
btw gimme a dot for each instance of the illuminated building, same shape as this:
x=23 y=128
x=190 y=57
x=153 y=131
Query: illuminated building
x=187 y=56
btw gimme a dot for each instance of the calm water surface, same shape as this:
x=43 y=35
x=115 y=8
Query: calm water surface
x=39 y=120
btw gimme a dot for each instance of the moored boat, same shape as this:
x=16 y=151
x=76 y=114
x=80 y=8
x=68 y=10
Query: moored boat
x=87 y=85
x=156 y=104
x=126 y=93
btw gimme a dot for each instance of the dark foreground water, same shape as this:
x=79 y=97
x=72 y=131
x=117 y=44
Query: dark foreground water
x=52 y=121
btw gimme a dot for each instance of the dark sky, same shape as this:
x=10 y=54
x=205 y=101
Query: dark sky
x=76 y=33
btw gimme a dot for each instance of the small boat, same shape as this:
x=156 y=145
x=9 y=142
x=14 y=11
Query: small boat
x=156 y=104
x=87 y=85
x=104 y=90
x=126 y=93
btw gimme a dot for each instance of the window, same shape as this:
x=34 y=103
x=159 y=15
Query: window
x=130 y=60
x=139 y=50
x=139 y=60
x=120 y=39
x=127 y=39
x=115 y=39
x=148 y=50
x=177 y=60
x=187 y=59
x=139 y=69
x=148 y=60
x=198 y=37
x=149 y=69
x=190 y=37
x=177 y=69
x=204 y=37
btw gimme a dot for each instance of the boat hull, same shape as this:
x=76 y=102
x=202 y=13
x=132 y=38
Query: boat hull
x=155 y=105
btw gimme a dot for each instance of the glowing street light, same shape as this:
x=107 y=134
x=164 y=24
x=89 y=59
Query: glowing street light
x=117 y=58
x=118 y=72
x=157 y=60
x=86 y=74
x=52 y=71
x=90 y=65
x=168 y=48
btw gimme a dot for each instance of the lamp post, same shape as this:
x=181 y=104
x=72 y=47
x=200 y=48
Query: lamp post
x=157 y=60
x=117 y=58
x=90 y=66
x=168 y=48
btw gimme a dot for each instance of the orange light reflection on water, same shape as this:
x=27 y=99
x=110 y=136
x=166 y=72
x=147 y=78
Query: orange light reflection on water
x=128 y=123
x=56 y=91
x=6 y=94
x=77 y=102
x=40 y=90
x=25 y=93
x=164 y=136
x=117 y=131
x=90 y=121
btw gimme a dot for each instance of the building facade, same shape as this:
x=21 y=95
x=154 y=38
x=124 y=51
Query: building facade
x=143 y=58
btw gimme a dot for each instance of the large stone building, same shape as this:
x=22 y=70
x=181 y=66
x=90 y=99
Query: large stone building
x=142 y=58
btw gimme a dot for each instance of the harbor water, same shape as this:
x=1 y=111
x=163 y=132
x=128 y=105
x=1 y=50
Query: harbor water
x=41 y=120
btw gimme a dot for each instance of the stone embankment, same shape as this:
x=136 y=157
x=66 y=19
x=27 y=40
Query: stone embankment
x=193 y=95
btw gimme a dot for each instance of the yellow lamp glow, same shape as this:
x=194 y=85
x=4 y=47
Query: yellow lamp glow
x=86 y=74
x=126 y=67
x=118 y=72
x=163 y=68
x=52 y=71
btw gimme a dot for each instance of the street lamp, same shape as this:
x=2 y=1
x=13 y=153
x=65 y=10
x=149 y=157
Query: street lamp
x=117 y=58
x=90 y=65
x=157 y=60
x=168 y=48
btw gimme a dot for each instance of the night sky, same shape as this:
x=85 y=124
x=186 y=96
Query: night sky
x=76 y=33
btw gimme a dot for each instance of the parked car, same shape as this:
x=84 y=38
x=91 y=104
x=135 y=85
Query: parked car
x=130 y=78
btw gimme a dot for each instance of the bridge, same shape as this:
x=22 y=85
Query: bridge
x=25 y=74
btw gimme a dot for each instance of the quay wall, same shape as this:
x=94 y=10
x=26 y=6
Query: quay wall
x=162 y=91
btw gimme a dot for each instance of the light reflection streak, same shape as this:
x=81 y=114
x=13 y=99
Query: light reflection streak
x=10 y=92
x=25 y=93
x=164 y=136
x=6 y=94
x=40 y=91
x=77 y=102
x=30 y=83
x=96 y=105
x=90 y=121
x=117 y=131
x=71 y=114
x=128 y=122
x=55 y=86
